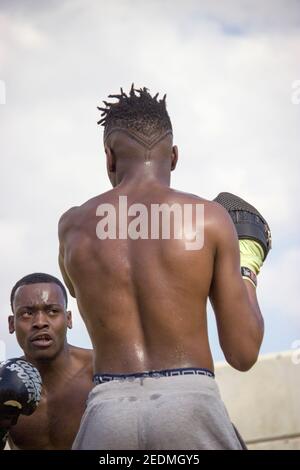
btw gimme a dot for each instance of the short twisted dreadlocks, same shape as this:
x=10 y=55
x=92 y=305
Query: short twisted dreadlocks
x=143 y=117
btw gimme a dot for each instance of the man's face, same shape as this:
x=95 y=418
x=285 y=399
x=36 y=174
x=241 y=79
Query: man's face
x=40 y=320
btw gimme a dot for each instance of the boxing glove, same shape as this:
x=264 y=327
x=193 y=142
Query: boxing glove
x=20 y=392
x=253 y=232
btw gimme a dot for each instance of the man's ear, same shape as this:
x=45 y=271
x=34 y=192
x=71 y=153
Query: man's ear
x=69 y=319
x=174 y=157
x=110 y=165
x=11 y=324
x=110 y=159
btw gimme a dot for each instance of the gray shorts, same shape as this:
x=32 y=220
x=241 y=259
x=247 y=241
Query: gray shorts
x=182 y=412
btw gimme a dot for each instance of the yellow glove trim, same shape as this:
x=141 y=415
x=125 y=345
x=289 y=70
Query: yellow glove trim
x=251 y=254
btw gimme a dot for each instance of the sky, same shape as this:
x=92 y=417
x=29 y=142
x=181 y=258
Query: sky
x=228 y=69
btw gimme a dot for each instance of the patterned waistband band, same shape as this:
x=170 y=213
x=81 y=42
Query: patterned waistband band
x=103 y=378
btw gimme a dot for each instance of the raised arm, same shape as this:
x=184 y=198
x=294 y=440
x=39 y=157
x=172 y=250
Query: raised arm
x=239 y=320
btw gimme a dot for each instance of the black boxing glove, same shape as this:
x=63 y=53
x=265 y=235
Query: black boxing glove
x=20 y=393
x=253 y=232
x=249 y=223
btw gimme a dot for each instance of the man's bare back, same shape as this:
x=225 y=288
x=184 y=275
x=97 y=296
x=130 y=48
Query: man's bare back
x=144 y=300
x=147 y=297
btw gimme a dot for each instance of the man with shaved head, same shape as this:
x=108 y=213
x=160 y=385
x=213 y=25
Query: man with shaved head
x=142 y=291
x=40 y=319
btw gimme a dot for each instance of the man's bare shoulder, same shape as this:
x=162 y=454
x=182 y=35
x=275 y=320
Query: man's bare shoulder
x=83 y=357
x=215 y=216
x=213 y=207
x=220 y=217
x=81 y=353
x=73 y=214
x=66 y=219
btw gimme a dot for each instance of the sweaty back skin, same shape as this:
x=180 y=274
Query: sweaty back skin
x=106 y=273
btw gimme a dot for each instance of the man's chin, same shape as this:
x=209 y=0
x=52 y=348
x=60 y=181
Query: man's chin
x=44 y=356
x=40 y=354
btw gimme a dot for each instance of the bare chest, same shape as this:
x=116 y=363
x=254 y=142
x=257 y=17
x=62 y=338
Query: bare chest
x=54 y=424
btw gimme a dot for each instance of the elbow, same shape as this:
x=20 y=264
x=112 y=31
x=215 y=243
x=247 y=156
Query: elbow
x=242 y=362
x=243 y=354
x=243 y=366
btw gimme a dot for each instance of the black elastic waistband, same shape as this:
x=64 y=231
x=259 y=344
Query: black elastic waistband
x=103 y=378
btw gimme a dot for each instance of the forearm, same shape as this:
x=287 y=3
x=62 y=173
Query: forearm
x=240 y=323
x=251 y=292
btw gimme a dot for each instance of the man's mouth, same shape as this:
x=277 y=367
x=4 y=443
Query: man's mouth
x=42 y=340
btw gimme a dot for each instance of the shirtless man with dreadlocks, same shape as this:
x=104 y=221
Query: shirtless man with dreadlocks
x=143 y=298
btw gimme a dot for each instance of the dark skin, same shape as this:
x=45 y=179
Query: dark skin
x=40 y=322
x=144 y=301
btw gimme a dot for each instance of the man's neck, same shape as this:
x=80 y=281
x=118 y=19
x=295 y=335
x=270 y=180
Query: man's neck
x=52 y=369
x=144 y=173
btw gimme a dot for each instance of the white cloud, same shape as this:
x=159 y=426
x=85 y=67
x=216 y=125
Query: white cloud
x=227 y=68
x=280 y=284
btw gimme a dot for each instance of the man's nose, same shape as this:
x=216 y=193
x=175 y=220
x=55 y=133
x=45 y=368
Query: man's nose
x=40 y=320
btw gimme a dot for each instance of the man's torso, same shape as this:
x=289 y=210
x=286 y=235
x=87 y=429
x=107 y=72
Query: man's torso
x=56 y=420
x=143 y=301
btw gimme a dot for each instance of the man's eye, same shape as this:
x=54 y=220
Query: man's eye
x=26 y=314
x=53 y=311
